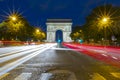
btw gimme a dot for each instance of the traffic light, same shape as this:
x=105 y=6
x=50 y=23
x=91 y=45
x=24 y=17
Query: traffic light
x=59 y=41
x=81 y=41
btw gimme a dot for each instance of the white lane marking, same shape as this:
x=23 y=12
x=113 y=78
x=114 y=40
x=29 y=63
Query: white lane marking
x=60 y=49
x=23 y=76
x=104 y=55
x=41 y=64
x=114 y=57
x=101 y=51
x=45 y=76
x=115 y=74
x=4 y=75
x=97 y=76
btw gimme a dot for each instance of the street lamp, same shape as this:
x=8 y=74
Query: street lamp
x=13 y=17
x=105 y=23
x=37 y=34
x=37 y=30
x=105 y=20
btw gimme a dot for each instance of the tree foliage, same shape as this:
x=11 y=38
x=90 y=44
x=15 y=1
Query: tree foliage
x=38 y=34
x=18 y=29
x=77 y=33
x=95 y=27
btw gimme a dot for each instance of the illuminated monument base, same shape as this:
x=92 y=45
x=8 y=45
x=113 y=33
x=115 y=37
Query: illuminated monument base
x=65 y=25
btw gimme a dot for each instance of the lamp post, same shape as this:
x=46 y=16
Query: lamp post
x=37 y=34
x=13 y=18
x=105 y=23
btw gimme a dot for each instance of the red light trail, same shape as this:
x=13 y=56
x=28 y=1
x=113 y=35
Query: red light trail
x=109 y=55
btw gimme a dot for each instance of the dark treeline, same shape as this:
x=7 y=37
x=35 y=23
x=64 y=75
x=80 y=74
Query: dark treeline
x=102 y=26
x=16 y=27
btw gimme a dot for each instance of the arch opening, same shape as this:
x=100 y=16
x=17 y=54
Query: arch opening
x=59 y=36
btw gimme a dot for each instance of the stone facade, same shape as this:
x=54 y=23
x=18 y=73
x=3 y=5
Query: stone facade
x=65 y=25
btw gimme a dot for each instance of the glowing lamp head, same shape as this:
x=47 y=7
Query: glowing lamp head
x=37 y=30
x=105 y=20
x=14 y=18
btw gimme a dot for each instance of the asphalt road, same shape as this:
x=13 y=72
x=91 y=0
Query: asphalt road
x=63 y=64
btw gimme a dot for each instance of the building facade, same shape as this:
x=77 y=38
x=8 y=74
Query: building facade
x=65 y=25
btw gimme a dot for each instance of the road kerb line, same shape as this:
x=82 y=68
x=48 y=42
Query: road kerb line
x=4 y=75
x=115 y=74
x=97 y=76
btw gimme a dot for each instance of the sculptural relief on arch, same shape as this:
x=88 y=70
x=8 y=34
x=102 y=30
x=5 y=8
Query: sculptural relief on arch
x=65 y=25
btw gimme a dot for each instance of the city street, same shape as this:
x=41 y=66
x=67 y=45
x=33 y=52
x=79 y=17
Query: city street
x=59 y=40
x=52 y=62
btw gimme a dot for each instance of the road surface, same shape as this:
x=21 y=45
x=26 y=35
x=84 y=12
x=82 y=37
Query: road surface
x=62 y=64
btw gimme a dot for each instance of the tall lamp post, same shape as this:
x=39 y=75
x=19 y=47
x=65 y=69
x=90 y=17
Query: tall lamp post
x=13 y=18
x=38 y=34
x=105 y=22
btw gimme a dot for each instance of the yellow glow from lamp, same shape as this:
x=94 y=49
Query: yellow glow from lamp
x=37 y=30
x=105 y=20
x=13 y=17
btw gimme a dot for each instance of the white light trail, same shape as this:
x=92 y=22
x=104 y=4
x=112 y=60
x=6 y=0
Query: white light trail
x=18 y=62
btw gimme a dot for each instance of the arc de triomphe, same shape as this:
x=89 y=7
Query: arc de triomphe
x=65 y=25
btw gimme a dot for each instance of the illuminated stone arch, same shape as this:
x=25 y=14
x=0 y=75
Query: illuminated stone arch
x=65 y=25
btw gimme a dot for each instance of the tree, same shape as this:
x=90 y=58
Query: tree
x=3 y=31
x=95 y=27
x=77 y=33
x=26 y=31
x=15 y=26
x=38 y=34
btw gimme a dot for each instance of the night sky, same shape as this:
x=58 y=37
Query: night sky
x=37 y=11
